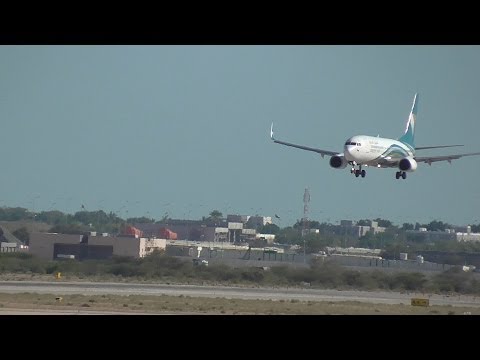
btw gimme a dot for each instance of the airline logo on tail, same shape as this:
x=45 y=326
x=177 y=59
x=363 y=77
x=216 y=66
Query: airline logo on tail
x=409 y=135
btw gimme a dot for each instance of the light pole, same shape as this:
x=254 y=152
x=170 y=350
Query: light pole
x=33 y=205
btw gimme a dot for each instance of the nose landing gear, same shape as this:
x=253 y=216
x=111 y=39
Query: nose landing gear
x=401 y=174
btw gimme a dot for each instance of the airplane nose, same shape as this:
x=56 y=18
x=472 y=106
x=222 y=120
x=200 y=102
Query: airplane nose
x=347 y=153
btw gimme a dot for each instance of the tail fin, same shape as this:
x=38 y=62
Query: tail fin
x=409 y=136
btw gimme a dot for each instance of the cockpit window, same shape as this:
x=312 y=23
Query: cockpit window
x=358 y=144
x=350 y=143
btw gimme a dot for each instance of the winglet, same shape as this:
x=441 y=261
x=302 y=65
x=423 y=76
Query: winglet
x=271 y=132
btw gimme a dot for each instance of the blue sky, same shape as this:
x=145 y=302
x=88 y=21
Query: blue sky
x=146 y=130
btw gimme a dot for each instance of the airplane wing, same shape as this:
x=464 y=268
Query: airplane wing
x=435 y=147
x=430 y=159
x=320 y=151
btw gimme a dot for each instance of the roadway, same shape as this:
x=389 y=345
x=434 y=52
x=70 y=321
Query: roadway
x=230 y=292
x=7 y=311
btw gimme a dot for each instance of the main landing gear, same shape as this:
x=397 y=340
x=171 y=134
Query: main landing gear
x=401 y=174
x=358 y=172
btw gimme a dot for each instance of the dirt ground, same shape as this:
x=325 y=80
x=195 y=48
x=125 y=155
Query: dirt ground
x=191 y=305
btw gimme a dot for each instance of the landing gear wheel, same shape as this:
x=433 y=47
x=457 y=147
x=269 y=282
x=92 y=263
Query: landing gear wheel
x=363 y=173
x=404 y=175
x=397 y=175
x=357 y=173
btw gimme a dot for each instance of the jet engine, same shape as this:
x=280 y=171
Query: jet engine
x=338 y=161
x=407 y=164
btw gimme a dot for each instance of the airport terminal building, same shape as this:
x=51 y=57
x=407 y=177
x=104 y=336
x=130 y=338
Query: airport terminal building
x=53 y=246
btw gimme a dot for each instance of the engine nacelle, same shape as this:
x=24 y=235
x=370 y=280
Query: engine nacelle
x=407 y=164
x=338 y=161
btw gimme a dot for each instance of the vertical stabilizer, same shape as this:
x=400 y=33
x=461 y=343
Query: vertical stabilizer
x=409 y=135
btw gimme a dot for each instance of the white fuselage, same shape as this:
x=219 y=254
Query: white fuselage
x=376 y=151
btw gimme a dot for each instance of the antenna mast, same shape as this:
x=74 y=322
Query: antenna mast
x=305 y=222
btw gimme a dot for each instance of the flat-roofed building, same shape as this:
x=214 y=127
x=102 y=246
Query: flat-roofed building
x=50 y=245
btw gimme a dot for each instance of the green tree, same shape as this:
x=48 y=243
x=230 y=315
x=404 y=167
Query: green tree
x=140 y=220
x=288 y=235
x=22 y=235
x=328 y=229
x=73 y=228
x=437 y=226
x=164 y=218
x=315 y=242
x=84 y=217
x=408 y=226
x=113 y=218
x=15 y=214
x=475 y=228
x=418 y=226
x=370 y=241
x=269 y=229
x=215 y=215
x=52 y=217
x=298 y=225
x=311 y=224
x=383 y=223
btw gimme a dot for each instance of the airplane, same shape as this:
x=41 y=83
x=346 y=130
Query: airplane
x=370 y=151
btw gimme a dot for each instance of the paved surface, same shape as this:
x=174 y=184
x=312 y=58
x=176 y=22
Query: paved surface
x=4 y=311
x=305 y=294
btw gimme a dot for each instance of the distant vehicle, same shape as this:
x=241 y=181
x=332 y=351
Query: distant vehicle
x=377 y=152
x=202 y=262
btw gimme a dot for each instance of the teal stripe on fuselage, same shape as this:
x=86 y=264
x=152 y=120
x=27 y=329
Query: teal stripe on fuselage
x=410 y=147
x=395 y=152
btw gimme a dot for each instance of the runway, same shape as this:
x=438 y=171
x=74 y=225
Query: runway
x=66 y=312
x=230 y=292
